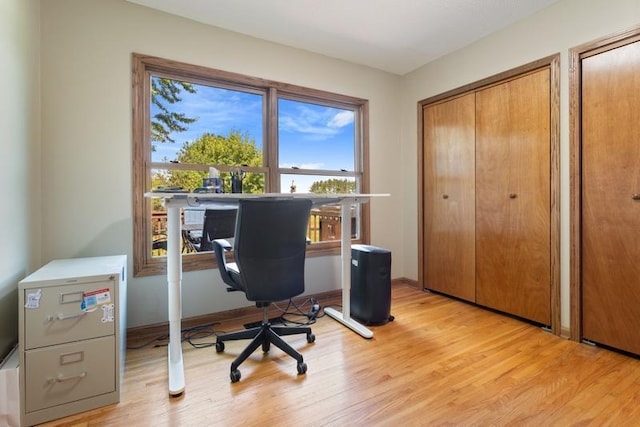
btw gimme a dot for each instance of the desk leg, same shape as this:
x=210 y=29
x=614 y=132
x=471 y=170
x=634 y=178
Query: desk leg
x=174 y=278
x=345 y=254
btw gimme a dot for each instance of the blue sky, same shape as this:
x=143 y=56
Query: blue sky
x=310 y=136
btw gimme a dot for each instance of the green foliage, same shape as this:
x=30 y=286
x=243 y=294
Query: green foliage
x=236 y=149
x=333 y=186
x=158 y=180
x=163 y=123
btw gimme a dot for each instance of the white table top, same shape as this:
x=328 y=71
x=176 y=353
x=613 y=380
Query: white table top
x=198 y=199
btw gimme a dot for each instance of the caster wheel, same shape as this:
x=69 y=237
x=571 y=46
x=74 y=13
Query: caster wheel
x=235 y=376
x=302 y=368
x=219 y=347
x=311 y=338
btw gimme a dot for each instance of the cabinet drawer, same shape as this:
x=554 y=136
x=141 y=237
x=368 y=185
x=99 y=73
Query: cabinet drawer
x=56 y=315
x=68 y=373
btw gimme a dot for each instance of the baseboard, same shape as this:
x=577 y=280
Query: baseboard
x=405 y=281
x=238 y=315
x=143 y=333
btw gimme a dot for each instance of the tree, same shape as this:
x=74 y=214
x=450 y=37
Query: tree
x=210 y=149
x=167 y=91
x=333 y=186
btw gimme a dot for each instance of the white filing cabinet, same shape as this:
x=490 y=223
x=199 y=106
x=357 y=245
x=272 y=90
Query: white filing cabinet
x=72 y=337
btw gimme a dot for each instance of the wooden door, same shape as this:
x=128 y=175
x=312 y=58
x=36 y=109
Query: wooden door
x=449 y=199
x=611 y=197
x=513 y=197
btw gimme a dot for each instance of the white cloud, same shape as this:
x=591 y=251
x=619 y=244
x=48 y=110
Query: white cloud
x=316 y=123
x=342 y=119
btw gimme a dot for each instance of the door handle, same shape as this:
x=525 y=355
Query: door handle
x=513 y=195
x=635 y=196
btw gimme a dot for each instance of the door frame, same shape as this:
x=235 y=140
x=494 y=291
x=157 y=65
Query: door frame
x=553 y=63
x=576 y=55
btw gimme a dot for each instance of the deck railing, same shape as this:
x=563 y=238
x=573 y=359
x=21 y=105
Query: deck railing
x=324 y=225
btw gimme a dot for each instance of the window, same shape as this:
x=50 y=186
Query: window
x=282 y=138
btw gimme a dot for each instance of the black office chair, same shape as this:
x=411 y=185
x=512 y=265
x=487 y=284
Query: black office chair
x=269 y=254
x=218 y=224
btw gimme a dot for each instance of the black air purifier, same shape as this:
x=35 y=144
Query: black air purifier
x=370 y=284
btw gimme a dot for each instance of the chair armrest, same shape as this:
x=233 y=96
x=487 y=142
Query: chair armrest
x=220 y=246
x=224 y=244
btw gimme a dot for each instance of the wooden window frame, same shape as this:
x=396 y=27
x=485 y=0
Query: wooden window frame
x=145 y=66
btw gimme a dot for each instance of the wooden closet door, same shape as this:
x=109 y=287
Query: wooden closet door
x=513 y=197
x=449 y=200
x=611 y=198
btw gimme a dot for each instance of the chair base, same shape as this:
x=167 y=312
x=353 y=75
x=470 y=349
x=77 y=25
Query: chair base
x=263 y=336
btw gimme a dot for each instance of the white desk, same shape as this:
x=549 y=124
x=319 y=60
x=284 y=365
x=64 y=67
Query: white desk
x=175 y=201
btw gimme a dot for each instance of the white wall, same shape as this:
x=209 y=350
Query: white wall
x=86 y=128
x=558 y=28
x=19 y=144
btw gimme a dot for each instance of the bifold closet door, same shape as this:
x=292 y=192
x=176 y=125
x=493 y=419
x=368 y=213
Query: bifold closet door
x=611 y=197
x=513 y=197
x=449 y=197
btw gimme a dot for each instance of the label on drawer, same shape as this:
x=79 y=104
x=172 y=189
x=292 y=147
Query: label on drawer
x=33 y=299
x=92 y=299
x=107 y=313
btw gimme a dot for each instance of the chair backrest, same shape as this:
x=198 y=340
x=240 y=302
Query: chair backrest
x=270 y=247
x=218 y=224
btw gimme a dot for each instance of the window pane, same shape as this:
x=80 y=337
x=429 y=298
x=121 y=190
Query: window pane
x=184 y=116
x=325 y=222
x=192 y=219
x=194 y=123
x=312 y=136
x=299 y=183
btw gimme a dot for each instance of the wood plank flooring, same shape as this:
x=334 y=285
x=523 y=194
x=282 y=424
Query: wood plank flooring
x=441 y=362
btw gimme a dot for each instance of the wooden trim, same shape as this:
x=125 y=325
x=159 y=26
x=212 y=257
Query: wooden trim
x=421 y=215
x=185 y=70
x=553 y=63
x=576 y=55
x=575 y=195
x=364 y=168
x=556 y=319
x=141 y=333
x=143 y=66
x=271 y=131
x=405 y=281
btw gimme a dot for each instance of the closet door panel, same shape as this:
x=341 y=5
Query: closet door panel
x=513 y=197
x=449 y=183
x=610 y=211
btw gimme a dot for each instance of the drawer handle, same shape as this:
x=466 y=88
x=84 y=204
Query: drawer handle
x=61 y=378
x=61 y=316
x=635 y=196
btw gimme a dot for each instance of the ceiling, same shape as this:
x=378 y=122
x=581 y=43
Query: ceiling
x=396 y=36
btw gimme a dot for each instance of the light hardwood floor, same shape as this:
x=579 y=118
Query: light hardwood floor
x=441 y=362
